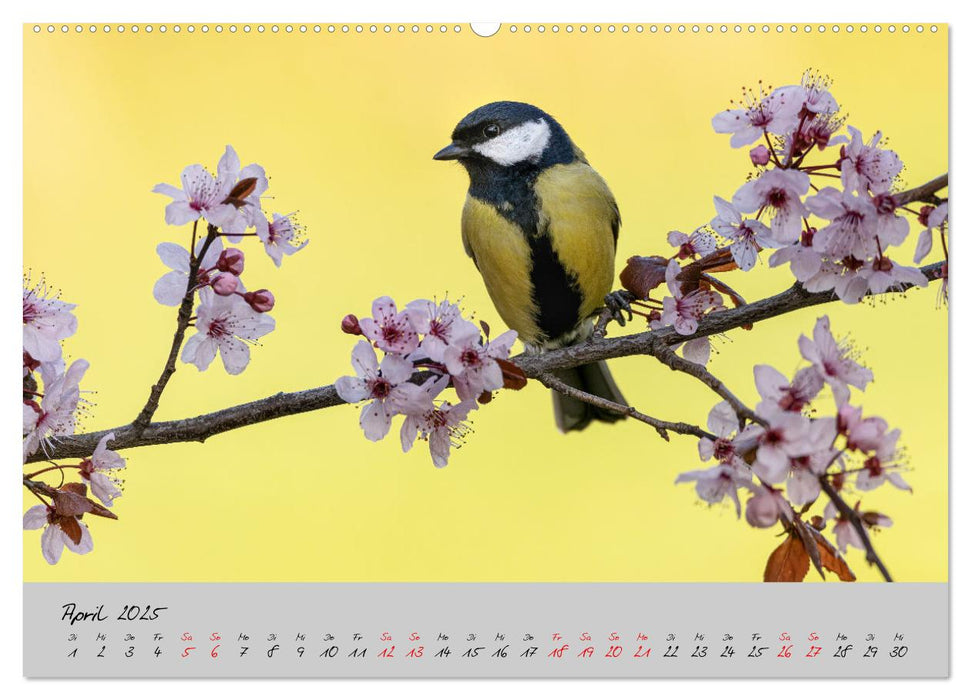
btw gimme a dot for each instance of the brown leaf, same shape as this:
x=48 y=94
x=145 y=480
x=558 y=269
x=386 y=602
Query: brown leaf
x=70 y=501
x=810 y=544
x=77 y=487
x=71 y=528
x=243 y=189
x=642 y=274
x=512 y=376
x=831 y=558
x=788 y=562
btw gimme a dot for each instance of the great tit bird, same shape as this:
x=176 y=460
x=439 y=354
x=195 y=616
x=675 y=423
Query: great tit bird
x=541 y=227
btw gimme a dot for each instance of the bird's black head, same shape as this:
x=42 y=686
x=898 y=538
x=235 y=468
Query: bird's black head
x=508 y=135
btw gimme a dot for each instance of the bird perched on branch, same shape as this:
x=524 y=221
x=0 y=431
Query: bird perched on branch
x=541 y=227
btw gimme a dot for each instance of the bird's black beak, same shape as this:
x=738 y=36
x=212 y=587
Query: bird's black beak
x=451 y=152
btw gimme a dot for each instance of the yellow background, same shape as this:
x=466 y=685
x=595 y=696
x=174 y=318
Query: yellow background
x=345 y=126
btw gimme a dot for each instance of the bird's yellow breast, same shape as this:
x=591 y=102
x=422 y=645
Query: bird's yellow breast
x=501 y=253
x=575 y=215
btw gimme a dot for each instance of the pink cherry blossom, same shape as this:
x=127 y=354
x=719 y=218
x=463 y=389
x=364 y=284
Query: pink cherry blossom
x=779 y=192
x=683 y=311
x=47 y=321
x=387 y=386
x=852 y=230
x=936 y=218
x=804 y=262
x=56 y=413
x=849 y=286
x=202 y=196
x=53 y=539
x=776 y=113
x=698 y=244
x=846 y=535
x=883 y=274
x=171 y=287
x=747 y=235
x=390 y=329
x=716 y=483
x=818 y=99
x=443 y=427
x=866 y=166
x=226 y=325
x=803 y=486
x=834 y=361
x=279 y=236
x=98 y=471
x=472 y=362
x=439 y=323
x=883 y=465
x=729 y=444
x=786 y=437
x=863 y=434
x=778 y=394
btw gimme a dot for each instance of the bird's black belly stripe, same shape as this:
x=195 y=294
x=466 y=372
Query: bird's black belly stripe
x=555 y=291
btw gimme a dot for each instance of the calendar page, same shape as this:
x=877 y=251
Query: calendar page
x=545 y=350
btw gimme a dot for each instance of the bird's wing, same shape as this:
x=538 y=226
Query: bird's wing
x=580 y=215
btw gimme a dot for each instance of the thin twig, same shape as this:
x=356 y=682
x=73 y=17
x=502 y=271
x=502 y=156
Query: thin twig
x=666 y=355
x=661 y=426
x=925 y=193
x=854 y=518
x=200 y=428
x=182 y=323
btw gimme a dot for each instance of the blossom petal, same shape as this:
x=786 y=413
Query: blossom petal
x=35 y=517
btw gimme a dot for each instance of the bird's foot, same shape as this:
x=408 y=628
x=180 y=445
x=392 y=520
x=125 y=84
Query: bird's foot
x=615 y=304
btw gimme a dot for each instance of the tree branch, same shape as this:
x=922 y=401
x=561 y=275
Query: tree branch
x=182 y=323
x=661 y=426
x=854 y=518
x=200 y=428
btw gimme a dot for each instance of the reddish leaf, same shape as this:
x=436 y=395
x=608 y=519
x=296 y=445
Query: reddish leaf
x=243 y=189
x=71 y=528
x=642 y=274
x=512 y=376
x=77 y=487
x=788 y=562
x=70 y=501
x=831 y=558
x=485 y=397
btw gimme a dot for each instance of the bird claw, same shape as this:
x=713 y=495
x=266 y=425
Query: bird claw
x=617 y=303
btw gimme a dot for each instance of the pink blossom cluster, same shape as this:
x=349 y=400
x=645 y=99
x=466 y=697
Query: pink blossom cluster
x=51 y=401
x=833 y=237
x=834 y=223
x=228 y=318
x=783 y=458
x=426 y=347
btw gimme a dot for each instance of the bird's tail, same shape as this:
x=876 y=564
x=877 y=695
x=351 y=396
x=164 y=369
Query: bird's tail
x=595 y=378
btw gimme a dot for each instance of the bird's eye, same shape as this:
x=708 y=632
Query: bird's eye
x=491 y=131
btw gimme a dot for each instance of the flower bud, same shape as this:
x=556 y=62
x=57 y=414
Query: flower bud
x=261 y=300
x=759 y=155
x=225 y=284
x=762 y=510
x=350 y=325
x=231 y=260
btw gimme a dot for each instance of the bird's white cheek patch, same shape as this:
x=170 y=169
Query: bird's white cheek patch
x=524 y=142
